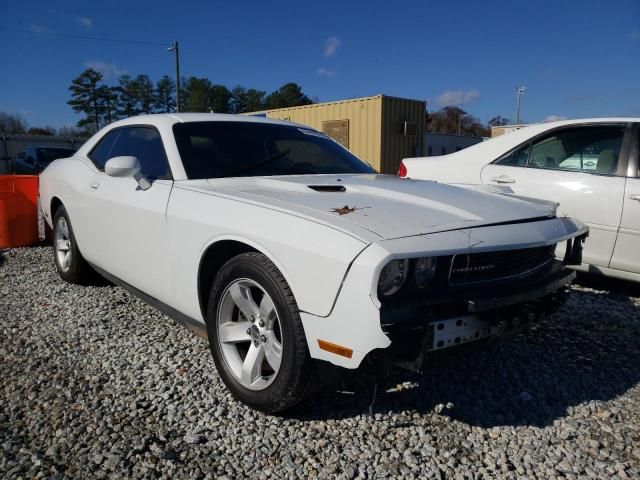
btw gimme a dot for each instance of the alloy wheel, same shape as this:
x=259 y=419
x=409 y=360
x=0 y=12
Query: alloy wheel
x=249 y=334
x=62 y=243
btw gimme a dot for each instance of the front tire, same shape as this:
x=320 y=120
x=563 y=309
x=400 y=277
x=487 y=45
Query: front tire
x=71 y=265
x=256 y=336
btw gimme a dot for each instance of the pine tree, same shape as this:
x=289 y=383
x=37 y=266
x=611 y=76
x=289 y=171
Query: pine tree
x=127 y=97
x=288 y=95
x=85 y=98
x=243 y=100
x=164 y=99
x=146 y=94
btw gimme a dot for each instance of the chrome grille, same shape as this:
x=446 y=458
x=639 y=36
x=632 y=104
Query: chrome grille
x=490 y=266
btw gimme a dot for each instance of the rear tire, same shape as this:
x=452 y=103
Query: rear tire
x=71 y=265
x=256 y=336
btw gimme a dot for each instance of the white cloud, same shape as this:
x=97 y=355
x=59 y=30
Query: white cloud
x=553 y=118
x=331 y=46
x=325 y=72
x=34 y=27
x=457 y=97
x=109 y=70
x=85 y=22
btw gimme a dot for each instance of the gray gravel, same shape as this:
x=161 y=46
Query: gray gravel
x=96 y=384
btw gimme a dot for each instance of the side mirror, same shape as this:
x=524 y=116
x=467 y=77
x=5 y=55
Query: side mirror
x=122 y=167
x=126 y=167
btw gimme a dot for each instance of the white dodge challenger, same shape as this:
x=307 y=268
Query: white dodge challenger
x=283 y=248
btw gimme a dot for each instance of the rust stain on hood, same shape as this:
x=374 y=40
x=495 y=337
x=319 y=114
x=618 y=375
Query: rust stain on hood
x=346 y=209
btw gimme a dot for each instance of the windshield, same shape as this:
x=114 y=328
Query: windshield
x=248 y=149
x=48 y=155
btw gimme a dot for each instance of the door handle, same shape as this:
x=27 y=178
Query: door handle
x=503 y=179
x=95 y=185
x=635 y=196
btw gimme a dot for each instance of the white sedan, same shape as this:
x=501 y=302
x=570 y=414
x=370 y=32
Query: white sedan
x=282 y=248
x=590 y=167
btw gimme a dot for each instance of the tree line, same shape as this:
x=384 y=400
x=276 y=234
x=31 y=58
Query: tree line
x=16 y=124
x=454 y=120
x=101 y=104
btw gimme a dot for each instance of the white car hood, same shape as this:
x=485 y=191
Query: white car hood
x=386 y=205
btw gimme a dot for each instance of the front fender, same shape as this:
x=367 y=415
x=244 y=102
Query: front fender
x=251 y=243
x=312 y=257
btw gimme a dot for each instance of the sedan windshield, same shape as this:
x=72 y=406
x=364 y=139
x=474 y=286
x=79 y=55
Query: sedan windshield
x=250 y=149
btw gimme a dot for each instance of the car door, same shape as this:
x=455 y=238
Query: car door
x=626 y=255
x=580 y=167
x=127 y=225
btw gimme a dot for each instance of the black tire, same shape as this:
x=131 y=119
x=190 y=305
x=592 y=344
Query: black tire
x=294 y=380
x=78 y=270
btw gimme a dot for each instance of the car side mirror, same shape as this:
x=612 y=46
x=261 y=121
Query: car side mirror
x=127 y=166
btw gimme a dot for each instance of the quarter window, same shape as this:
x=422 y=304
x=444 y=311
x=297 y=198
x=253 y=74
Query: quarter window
x=517 y=158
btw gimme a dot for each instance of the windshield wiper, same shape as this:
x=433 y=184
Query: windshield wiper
x=264 y=161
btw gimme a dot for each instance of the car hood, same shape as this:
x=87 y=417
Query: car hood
x=385 y=205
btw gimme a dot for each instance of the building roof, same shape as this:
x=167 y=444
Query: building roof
x=336 y=102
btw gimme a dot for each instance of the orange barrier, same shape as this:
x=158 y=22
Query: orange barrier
x=18 y=210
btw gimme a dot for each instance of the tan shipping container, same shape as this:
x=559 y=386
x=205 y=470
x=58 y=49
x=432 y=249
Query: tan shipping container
x=502 y=129
x=381 y=130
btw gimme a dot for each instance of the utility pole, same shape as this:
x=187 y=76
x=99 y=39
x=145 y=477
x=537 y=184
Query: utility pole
x=174 y=48
x=519 y=92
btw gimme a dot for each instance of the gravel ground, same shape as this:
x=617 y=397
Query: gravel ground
x=96 y=384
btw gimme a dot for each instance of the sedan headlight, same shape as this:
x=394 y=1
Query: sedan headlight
x=393 y=276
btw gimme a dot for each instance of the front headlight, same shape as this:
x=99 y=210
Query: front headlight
x=393 y=276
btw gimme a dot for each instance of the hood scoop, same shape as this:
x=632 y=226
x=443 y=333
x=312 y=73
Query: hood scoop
x=328 y=188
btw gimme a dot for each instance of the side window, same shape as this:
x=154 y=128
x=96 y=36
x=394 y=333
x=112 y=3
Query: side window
x=102 y=151
x=145 y=144
x=517 y=158
x=584 y=149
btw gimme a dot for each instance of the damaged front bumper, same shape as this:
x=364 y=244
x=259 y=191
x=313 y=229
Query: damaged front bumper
x=469 y=318
x=403 y=324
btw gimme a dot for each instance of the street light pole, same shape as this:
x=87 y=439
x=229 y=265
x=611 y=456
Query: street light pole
x=460 y=123
x=174 y=48
x=519 y=91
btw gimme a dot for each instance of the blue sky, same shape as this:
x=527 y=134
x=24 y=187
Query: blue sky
x=577 y=58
